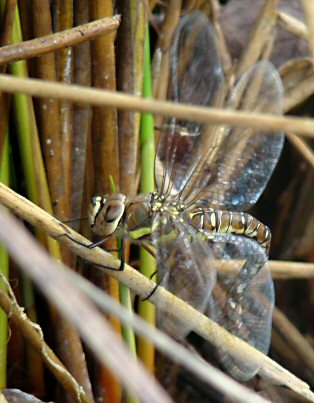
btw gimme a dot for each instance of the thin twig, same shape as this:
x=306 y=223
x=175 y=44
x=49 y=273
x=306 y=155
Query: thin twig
x=261 y=36
x=285 y=270
x=293 y=25
x=59 y=40
x=308 y=9
x=92 y=96
x=299 y=93
x=294 y=338
x=302 y=147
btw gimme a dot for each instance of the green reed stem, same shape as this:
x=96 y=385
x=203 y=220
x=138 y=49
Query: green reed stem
x=125 y=297
x=147 y=262
x=125 y=300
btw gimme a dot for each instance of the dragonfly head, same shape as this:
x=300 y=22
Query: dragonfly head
x=105 y=213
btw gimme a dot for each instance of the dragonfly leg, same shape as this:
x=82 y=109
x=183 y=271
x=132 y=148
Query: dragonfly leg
x=152 y=275
x=89 y=246
x=153 y=290
x=122 y=257
x=93 y=245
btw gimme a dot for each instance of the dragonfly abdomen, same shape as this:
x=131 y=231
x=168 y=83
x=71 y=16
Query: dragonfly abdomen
x=227 y=222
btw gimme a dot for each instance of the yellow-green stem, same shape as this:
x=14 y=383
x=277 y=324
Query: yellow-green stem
x=147 y=262
x=125 y=299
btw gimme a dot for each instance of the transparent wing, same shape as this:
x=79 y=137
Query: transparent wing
x=184 y=266
x=195 y=77
x=234 y=173
x=217 y=165
x=242 y=300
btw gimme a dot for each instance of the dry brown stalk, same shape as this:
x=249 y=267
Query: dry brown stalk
x=302 y=147
x=281 y=269
x=299 y=93
x=261 y=34
x=308 y=8
x=293 y=25
x=130 y=64
x=79 y=94
x=294 y=338
x=105 y=160
x=59 y=40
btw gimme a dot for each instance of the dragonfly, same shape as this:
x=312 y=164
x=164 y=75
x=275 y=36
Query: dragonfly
x=206 y=177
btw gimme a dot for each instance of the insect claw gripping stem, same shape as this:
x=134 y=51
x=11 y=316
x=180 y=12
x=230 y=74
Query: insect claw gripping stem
x=72 y=239
x=92 y=246
x=153 y=290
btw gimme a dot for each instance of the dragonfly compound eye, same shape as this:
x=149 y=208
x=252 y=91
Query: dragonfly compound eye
x=114 y=212
x=95 y=207
x=105 y=213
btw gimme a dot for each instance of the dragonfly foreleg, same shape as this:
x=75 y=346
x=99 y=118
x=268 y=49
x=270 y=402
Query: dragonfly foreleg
x=89 y=246
x=94 y=245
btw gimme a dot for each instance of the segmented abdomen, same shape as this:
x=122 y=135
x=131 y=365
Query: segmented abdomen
x=227 y=222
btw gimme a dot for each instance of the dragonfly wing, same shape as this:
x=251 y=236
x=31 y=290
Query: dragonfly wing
x=242 y=300
x=195 y=77
x=184 y=267
x=226 y=167
x=246 y=157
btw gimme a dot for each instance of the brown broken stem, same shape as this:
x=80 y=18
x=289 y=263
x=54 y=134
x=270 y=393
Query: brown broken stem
x=59 y=40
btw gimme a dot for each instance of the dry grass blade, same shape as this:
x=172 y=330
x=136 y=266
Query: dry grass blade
x=260 y=37
x=105 y=162
x=302 y=147
x=59 y=40
x=53 y=150
x=130 y=62
x=290 y=270
x=79 y=94
x=143 y=287
x=294 y=338
x=165 y=344
x=82 y=117
x=222 y=46
x=163 y=46
x=279 y=269
x=293 y=25
x=308 y=8
x=79 y=311
x=33 y=334
x=299 y=93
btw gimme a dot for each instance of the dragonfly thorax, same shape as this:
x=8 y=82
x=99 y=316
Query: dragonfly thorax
x=105 y=213
x=141 y=210
x=171 y=205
